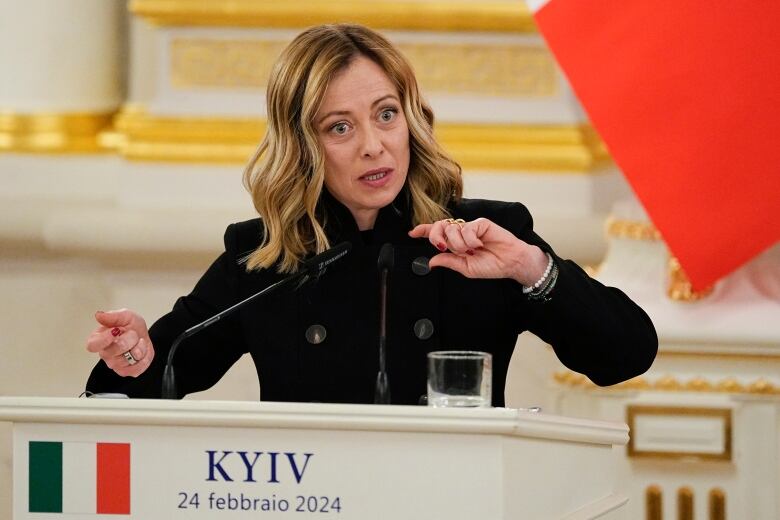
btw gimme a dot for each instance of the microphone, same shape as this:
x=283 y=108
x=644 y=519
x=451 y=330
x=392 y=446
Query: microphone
x=385 y=265
x=316 y=265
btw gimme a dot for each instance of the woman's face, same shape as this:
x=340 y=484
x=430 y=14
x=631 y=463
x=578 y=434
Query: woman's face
x=362 y=130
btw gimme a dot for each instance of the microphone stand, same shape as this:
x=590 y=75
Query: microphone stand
x=385 y=263
x=317 y=263
x=168 y=383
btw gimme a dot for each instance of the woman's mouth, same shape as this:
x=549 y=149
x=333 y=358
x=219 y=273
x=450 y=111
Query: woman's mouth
x=377 y=177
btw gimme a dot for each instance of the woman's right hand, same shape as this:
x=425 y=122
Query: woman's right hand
x=121 y=332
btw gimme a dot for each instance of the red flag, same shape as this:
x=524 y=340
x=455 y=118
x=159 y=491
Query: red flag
x=686 y=96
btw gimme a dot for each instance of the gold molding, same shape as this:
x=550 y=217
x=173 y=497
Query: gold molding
x=220 y=63
x=632 y=411
x=699 y=384
x=631 y=229
x=679 y=287
x=669 y=383
x=52 y=132
x=568 y=148
x=730 y=385
x=504 y=69
x=763 y=387
x=430 y=15
x=717 y=504
x=138 y=135
x=721 y=355
x=685 y=503
x=654 y=502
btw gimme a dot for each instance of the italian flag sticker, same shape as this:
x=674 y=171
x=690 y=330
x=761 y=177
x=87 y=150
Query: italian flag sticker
x=79 y=477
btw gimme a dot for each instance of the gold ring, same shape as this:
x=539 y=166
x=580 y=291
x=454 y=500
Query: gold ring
x=457 y=221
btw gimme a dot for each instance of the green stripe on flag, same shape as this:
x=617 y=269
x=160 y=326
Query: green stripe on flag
x=45 y=479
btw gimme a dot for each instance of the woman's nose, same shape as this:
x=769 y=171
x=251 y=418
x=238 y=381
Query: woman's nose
x=372 y=142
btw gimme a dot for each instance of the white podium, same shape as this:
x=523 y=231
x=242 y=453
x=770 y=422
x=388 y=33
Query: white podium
x=150 y=459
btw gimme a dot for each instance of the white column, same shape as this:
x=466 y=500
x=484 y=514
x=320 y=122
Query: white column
x=61 y=56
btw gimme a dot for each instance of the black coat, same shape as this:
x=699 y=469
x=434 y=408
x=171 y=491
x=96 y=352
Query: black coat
x=594 y=330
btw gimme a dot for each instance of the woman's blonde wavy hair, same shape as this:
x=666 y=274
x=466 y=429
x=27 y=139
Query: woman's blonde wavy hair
x=285 y=176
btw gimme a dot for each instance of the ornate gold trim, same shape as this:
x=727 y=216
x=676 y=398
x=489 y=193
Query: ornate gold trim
x=654 y=503
x=730 y=385
x=143 y=137
x=717 y=504
x=698 y=384
x=680 y=288
x=52 y=132
x=722 y=355
x=631 y=229
x=668 y=384
x=685 y=503
x=671 y=383
x=139 y=135
x=518 y=70
x=573 y=148
x=764 y=387
x=431 y=15
x=632 y=411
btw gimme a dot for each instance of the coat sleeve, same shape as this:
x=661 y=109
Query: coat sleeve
x=201 y=360
x=594 y=329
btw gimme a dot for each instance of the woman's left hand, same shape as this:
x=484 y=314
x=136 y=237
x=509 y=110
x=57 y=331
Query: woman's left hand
x=482 y=249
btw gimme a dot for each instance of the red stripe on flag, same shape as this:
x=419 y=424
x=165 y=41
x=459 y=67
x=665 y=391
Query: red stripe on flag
x=113 y=479
x=686 y=95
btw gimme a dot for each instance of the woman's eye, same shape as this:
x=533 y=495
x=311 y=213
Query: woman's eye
x=387 y=114
x=339 y=128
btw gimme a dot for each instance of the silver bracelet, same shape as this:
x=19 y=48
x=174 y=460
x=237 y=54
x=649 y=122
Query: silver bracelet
x=540 y=282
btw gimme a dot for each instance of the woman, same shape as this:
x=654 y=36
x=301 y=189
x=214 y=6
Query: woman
x=349 y=155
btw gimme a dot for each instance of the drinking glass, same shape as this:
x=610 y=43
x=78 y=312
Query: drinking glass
x=459 y=378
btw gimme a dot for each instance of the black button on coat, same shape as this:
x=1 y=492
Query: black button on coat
x=595 y=330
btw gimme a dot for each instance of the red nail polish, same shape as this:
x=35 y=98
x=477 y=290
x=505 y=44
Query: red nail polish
x=115 y=331
x=441 y=246
x=470 y=252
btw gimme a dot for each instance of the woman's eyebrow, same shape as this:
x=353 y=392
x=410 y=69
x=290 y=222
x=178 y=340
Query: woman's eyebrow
x=388 y=96
x=334 y=113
